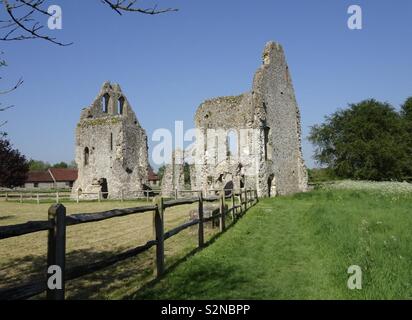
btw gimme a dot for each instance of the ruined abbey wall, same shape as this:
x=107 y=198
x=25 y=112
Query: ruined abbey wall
x=111 y=147
x=266 y=123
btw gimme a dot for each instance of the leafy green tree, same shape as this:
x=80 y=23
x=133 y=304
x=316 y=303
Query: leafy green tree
x=161 y=172
x=13 y=165
x=73 y=164
x=406 y=113
x=61 y=165
x=186 y=174
x=38 y=165
x=365 y=141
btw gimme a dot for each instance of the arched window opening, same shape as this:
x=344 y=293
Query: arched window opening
x=270 y=185
x=105 y=103
x=232 y=144
x=266 y=142
x=120 y=105
x=86 y=156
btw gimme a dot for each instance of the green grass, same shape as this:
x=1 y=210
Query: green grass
x=300 y=247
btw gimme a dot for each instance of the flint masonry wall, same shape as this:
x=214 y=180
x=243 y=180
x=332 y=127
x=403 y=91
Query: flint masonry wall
x=267 y=125
x=111 y=147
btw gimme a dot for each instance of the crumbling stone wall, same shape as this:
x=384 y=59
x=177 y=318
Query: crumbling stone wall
x=111 y=147
x=267 y=125
x=173 y=176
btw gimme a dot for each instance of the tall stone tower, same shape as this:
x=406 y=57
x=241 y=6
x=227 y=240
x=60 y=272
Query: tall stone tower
x=267 y=155
x=111 y=148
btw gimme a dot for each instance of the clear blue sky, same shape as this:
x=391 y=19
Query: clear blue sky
x=167 y=65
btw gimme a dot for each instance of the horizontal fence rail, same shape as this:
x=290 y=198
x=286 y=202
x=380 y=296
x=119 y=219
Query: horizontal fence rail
x=58 y=222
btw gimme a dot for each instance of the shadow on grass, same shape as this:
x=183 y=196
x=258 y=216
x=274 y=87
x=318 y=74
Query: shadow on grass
x=125 y=279
x=97 y=285
x=212 y=270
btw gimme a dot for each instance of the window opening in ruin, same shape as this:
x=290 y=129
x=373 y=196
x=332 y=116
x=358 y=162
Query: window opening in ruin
x=105 y=103
x=86 y=156
x=232 y=144
x=229 y=188
x=270 y=181
x=111 y=141
x=242 y=181
x=103 y=188
x=121 y=105
x=249 y=141
x=266 y=133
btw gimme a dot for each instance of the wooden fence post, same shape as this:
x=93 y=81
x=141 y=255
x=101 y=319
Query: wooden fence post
x=57 y=197
x=78 y=196
x=241 y=200
x=99 y=196
x=246 y=200
x=56 y=249
x=233 y=206
x=7 y=196
x=222 y=211
x=38 y=198
x=201 y=227
x=175 y=194
x=159 y=233
x=21 y=198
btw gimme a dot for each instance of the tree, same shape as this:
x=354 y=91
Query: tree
x=161 y=172
x=366 y=141
x=38 y=165
x=73 y=164
x=406 y=113
x=61 y=165
x=13 y=165
x=186 y=173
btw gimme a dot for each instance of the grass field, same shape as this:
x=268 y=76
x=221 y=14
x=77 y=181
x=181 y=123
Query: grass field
x=300 y=247
x=24 y=258
x=296 y=247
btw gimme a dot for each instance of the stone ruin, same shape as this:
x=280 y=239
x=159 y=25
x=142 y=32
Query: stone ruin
x=111 y=148
x=173 y=176
x=112 y=152
x=265 y=123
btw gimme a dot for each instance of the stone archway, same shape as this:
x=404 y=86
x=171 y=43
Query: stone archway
x=229 y=186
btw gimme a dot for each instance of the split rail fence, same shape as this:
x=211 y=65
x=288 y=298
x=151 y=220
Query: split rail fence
x=62 y=196
x=58 y=222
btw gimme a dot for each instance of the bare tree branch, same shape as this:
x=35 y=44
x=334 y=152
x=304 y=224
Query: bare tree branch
x=121 y=6
x=24 y=16
x=25 y=21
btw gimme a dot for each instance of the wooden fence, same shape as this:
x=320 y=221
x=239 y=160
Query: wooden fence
x=58 y=222
x=59 y=197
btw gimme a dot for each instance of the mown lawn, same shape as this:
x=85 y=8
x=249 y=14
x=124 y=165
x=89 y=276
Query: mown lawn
x=300 y=247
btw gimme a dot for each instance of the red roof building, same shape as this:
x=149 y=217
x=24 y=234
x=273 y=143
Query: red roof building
x=51 y=179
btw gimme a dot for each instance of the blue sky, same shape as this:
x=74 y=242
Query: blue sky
x=168 y=64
